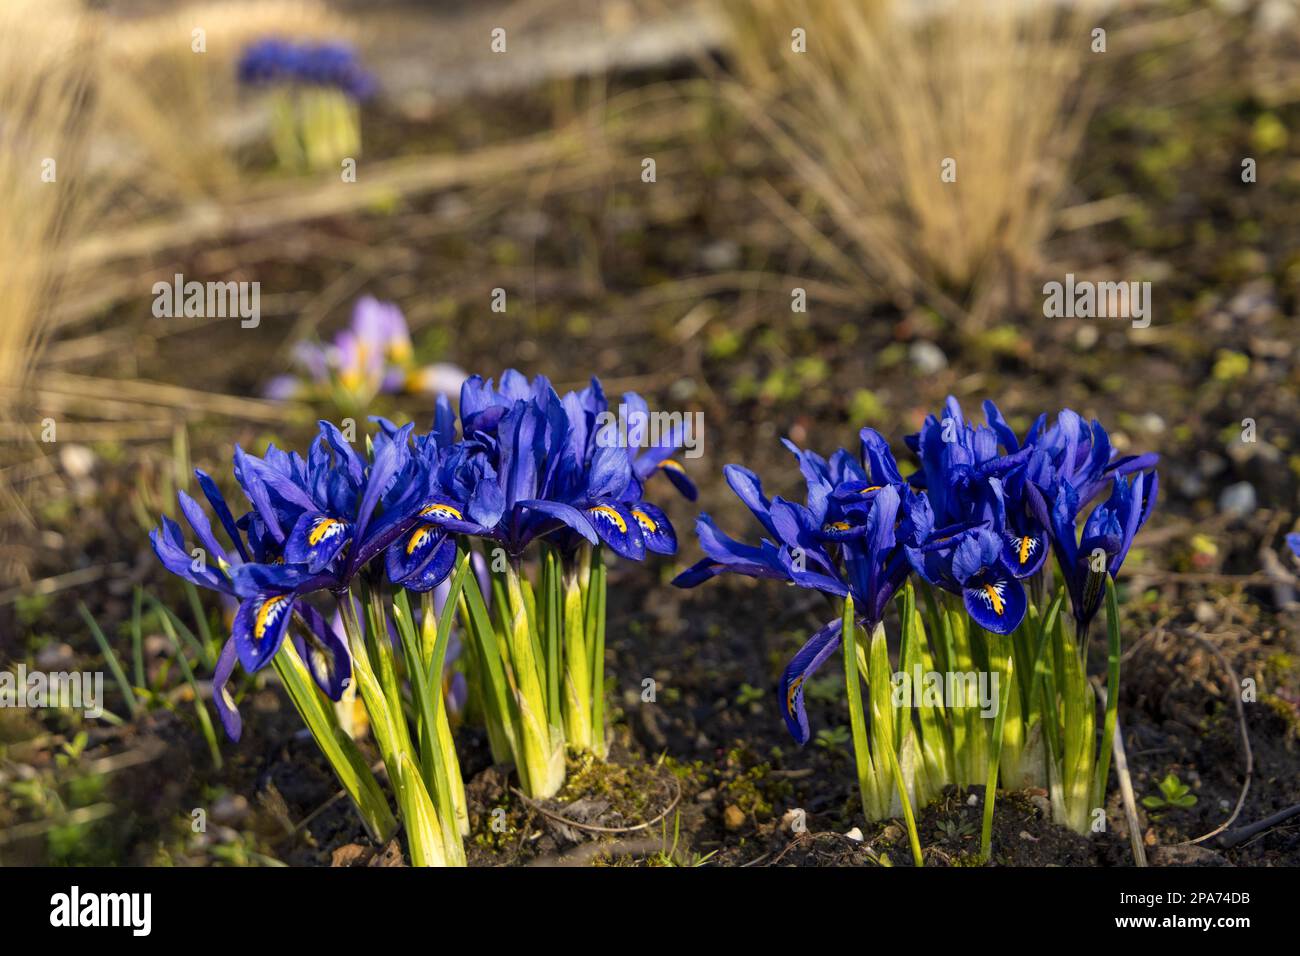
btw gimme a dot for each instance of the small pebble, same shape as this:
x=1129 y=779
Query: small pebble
x=733 y=818
x=1238 y=500
x=927 y=357
x=972 y=801
x=720 y=255
x=855 y=835
x=1209 y=464
x=1151 y=423
x=77 y=460
x=55 y=657
x=1190 y=485
x=155 y=645
x=1026 y=835
x=451 y=206
x=230 y=810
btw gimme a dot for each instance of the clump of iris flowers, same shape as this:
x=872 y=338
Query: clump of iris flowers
x=372 y=356
x=397 y=541
x=537 y=473
x=847 y=540
x=1062 y=489
x=314 y=90
x=974 y=527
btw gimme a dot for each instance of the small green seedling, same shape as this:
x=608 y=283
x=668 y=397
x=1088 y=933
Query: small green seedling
x=956 y=829
x=1174 y=794
x=833 y=739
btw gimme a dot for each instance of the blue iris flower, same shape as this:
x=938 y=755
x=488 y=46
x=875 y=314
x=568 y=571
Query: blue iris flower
x=969 y=560
x=1104 y=542
x=976 y=474
x=985 y=474
x=217 y=568
x=532 y=464
x=331 y=513
x=843 y=540
x=274 y=61
x=1079 y=454
x=959 y=458
x=655 y=458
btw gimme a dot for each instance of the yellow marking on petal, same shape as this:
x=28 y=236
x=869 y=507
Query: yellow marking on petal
x=867 y=491
x=837 y=526
x=267 y=613
x=442 y=511
x=995 y=599
x=790 y=694
x=645 y=520
x=325 y=528
x=612 y=515
x=417 y=541
x=319 y=662
x=672 y=465
x=1025 y=544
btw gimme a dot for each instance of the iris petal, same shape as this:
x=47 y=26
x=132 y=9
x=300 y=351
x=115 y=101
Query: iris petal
x=617 y=527
x=1024 y=554
x=997 y=603
x=407 y=556
x=221 y=695
x=801 y=667
x=680 y=480
x=564 y=514
x=316 y=539
x=656 y=529
x=325 y=653
x=260 y=626
x=436 y=570
x=169 y=546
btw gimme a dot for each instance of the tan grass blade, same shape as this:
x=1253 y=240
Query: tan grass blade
x=885 y=93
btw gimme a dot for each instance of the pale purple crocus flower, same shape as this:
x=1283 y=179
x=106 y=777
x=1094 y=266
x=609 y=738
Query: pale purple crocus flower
x=373 y=356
